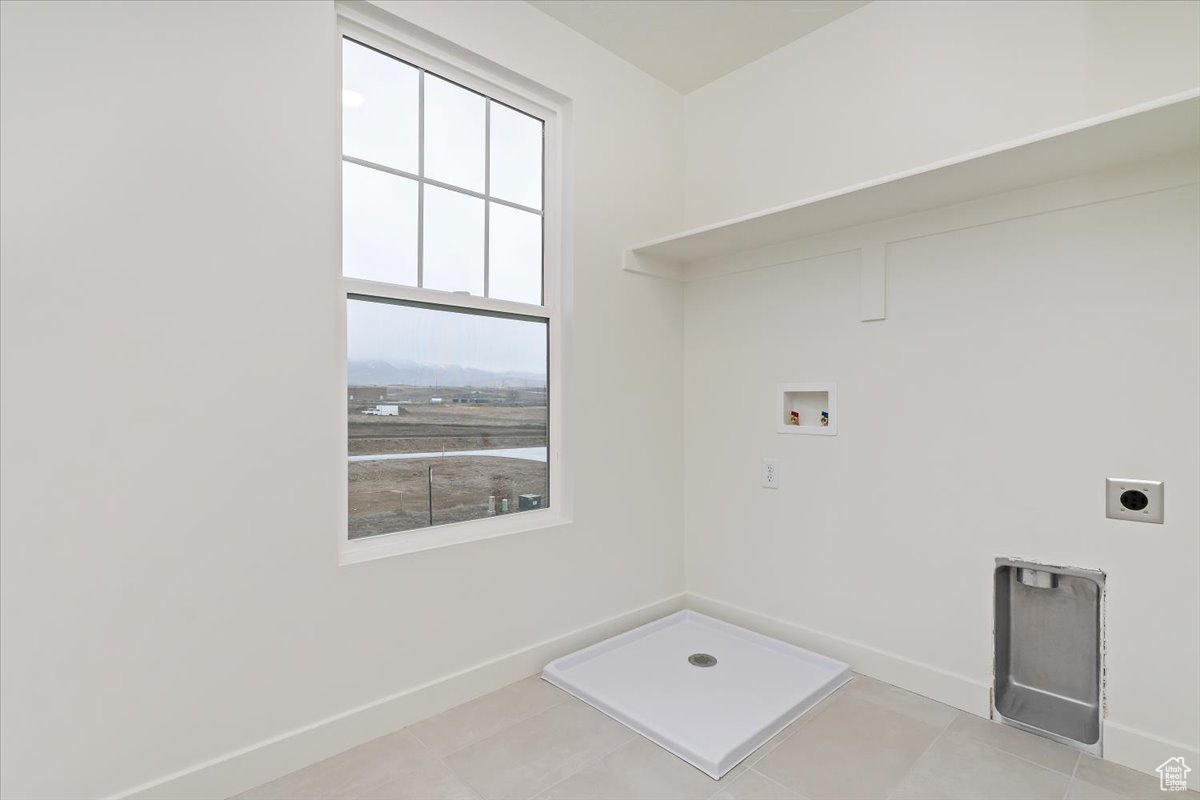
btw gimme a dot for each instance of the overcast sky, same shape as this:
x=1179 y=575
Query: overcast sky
x=380 y=213
x=389 y=332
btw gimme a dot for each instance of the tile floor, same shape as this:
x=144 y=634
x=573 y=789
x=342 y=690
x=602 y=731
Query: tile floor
x=868 y=740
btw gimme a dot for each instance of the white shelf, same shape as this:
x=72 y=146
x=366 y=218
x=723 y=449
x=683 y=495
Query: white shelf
x=1158 y=128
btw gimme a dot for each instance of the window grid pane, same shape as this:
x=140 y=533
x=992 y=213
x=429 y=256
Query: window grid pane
x=379 y=214
x=379 y=99
x=454 y=244
x=516 y=187
x=455 y=133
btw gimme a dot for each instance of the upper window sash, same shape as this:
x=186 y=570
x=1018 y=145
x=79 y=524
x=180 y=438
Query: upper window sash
x=514 y=251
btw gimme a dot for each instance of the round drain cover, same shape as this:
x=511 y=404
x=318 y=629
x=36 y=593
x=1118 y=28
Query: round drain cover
x=702 y=660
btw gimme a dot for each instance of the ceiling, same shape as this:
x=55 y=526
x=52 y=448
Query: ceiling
x=688 y=43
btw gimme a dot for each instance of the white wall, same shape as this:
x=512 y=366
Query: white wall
x=1021 y=361
x=171 y=591
x=896 y=85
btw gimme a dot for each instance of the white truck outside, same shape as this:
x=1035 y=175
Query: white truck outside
x=383 y=411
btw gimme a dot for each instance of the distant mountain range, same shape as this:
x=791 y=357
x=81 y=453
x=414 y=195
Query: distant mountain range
x=410 y=373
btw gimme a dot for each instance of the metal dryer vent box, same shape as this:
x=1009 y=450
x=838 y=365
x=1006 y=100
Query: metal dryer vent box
x=1049 y=670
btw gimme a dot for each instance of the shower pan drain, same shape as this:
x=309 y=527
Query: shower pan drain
x=702 y=660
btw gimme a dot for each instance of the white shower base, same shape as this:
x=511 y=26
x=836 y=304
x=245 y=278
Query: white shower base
x=711 y=717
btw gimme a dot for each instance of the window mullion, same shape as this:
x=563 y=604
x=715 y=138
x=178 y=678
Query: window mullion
x=421 y=178
x=362 y=162
x=487 y=191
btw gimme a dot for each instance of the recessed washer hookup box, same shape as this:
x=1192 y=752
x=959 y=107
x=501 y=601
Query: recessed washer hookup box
x=708 y=691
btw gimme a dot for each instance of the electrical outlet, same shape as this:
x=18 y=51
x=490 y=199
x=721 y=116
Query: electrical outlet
x=1134 y=500
x=770 y=475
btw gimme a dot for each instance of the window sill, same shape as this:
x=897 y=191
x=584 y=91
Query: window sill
x=354 y=551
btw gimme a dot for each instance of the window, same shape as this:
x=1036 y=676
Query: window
x=449 y=288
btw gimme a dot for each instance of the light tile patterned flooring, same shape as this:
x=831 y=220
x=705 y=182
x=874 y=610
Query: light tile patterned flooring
x=868 y=740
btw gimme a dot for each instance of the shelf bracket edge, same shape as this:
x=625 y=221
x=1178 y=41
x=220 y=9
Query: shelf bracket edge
x=655 y=267
x=872 y=276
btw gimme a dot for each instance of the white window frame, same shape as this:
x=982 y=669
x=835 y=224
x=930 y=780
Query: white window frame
x=394 y=37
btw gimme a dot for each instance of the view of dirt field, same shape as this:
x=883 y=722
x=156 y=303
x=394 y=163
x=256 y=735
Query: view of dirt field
x=387 y=496
x=390 y=495
x=429 y=428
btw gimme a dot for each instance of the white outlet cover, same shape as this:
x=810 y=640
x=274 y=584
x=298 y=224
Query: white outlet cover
x=770 y=474
x=1114 y=508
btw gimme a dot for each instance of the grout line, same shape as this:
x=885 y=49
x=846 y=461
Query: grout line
x=351 y=792
x=859 y=676
x=947 y=725
x=1029 y=761
x=508 y=728
x=1032 y=763
x=424 y=743
x=596 y=760
x=774 y=743
x=516 y=721
x=944 y=726
x=917 y=760
x=772 y=780
x=719 y=787
x=461 y=779
x=1074 y=774
x=766 y=778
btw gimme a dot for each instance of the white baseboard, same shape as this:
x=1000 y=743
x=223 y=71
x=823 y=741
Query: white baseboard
x=1144 y=752
x=1123 y=745
x=237 y=771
